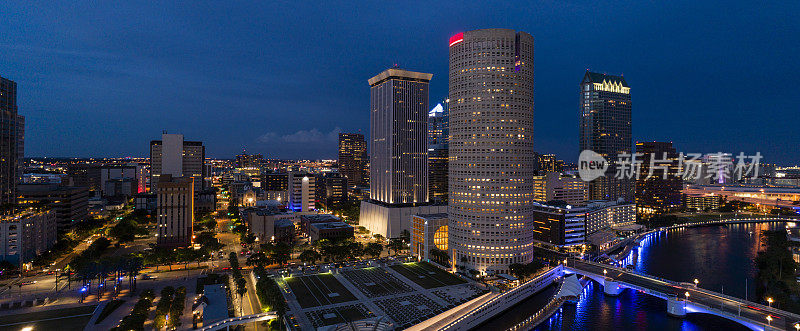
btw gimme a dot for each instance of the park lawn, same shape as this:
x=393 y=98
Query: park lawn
x=426 y=275
x=318 y=290
x=74 y=318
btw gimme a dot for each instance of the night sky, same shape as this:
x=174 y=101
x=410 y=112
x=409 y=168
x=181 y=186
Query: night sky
x=104 y=78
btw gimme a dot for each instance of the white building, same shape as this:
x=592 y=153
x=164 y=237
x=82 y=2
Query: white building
x=492 y=162
x=27 y=234
x=301 y=193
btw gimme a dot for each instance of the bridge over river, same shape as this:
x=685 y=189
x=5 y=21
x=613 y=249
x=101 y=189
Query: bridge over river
x=683 y=298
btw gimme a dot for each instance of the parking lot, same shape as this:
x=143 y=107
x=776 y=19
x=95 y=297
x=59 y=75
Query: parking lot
x=318 y=290
x=426 y=275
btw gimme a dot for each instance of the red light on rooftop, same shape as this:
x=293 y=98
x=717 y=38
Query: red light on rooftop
x=456 y=38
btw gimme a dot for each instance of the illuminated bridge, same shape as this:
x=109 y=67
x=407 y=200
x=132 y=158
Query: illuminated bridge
x=685 y=298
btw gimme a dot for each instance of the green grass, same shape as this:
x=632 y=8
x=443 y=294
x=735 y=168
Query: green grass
x=426 y=275
x=108 y=309
x=314 y=290
x=74 y=318
x=375 y=282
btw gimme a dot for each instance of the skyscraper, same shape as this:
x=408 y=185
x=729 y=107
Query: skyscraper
x=491 y=149
x=398 y=136
x=398 y=148
x=353 y=158
x=177 y=157
x=12 y=127
x=661 y=192
x=438 y=144
x=605 y=128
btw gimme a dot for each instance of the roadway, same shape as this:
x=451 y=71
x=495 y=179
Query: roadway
x=750 y=310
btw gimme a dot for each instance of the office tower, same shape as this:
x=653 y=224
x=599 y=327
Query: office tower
x=301 y=191
x=353 y=158
x=398 y=152
x=398 y=131
x=175 y=196
x=275 y=181
x=331 y=191
x=26 y=234
x=438 y=144
x=549 y=163
x=492 y=162
x=554 y=186
x=605 y=128
x=661 y=192
x=245 y=160
x=12 y=127
x=70 y=204
x=177 y=157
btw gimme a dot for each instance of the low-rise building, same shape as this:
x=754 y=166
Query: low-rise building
x=701 y=201
x=307 y=220
x=262 y=222
x=145 y=201
x=428 y=231
x=27 y=234
x=554 y=186
x=330 y=231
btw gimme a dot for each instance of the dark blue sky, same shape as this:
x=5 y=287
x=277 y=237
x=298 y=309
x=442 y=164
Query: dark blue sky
x=104 y=78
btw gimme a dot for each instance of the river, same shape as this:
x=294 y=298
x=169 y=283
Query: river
x=720 y=257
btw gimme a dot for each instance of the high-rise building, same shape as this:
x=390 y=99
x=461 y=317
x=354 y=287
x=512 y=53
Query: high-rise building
x=331 y=191
x=12 y=128
x=605 y=128
x=26 y=234
x=175 y=204
x=398 y=152
x=398 y=136
x=492 y=162
x=554 y=186
x=177 y=157
x=658 y=188
x=438 y=144
x=353 y=158
x=245 y=160
x=275 y=181
x=302 y=191
x=549 y=163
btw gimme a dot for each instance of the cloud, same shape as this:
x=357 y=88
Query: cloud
x=313 y=136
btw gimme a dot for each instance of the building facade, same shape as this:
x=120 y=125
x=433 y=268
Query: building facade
x=331 y=191
x=70 y=204
x=179 y=158
x=398 y=136
x=175 y=207
x=428 y=231
x=353 y=158
x=605 y=128
x=12 y=135
x=492 y=161
x=556 y=186
x=27 y=234
x=658 y=188
x=302 y=191
x=438 y=145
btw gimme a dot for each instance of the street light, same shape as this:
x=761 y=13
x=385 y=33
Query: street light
x=696 y=282
x=687 y=295
x=605 y=272
x=797 y=326
x=769 y=301
x=769 y=320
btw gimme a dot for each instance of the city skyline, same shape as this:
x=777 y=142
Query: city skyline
x=170 y=74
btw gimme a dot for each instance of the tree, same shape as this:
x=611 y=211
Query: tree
x=518 y=270
x=310 y=256
x=396 y=245
x=405 y=236
x=373 y=249
x=378 y=237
